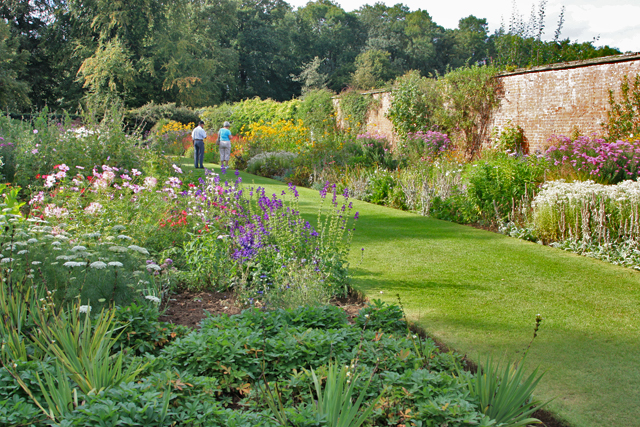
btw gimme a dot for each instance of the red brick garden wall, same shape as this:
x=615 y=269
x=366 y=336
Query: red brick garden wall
x=560 y=98
x=544 y=101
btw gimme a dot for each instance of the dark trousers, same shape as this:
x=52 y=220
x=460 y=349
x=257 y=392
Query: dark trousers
x=198 y=153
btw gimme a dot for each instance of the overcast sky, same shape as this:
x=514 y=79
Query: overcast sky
x=616 y=23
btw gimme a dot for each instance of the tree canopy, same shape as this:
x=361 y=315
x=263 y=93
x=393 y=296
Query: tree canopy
x=195 y=53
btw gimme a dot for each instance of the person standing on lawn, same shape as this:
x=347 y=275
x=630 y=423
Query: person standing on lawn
x=224 y=139
x=198 y=135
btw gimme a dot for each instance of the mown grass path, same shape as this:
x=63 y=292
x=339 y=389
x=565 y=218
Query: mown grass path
x=479 y=293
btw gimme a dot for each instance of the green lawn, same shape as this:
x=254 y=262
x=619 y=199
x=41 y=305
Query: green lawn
x=479 y=293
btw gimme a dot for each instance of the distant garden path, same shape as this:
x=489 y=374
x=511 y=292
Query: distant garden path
x=479 y=293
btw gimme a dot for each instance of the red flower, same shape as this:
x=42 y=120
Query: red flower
x=38 y=176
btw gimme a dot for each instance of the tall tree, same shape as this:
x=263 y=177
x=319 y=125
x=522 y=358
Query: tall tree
x=13 y=92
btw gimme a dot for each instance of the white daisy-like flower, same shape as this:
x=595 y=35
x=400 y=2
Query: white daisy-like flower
x=118 y=249
x=84 y=309
x=123 y=237
x=115 y=264
x=153 y=299
x=139 y=249
x=78 y=248
x=98 y=265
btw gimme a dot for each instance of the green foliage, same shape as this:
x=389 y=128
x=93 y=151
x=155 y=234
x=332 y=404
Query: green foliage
x=146 y=117
x=243 y=113
x=13 y=92
x=505 y=394
x=354 y=107
x=417 y=104
x=471 y=95
x=378 y=315
x=624 y=114
x=510 y=139
x=381 y=185
x=140 y=331
x=496 y=185
x=334 y=400
x=207 y=262
x=373 y=70
x=317 y=112
x=277 y=165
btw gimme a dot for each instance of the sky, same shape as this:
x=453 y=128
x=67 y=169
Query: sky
x=614 y=23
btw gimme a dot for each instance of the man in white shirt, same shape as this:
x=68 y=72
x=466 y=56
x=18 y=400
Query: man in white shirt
x=198 y=135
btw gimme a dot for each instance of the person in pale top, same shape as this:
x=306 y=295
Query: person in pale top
x=224 y=139
x=198 y=135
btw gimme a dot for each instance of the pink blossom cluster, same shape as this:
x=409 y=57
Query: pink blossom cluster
x=592 y=157
x=371 y=135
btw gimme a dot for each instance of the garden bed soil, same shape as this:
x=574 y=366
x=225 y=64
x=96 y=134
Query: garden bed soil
x=190 y=308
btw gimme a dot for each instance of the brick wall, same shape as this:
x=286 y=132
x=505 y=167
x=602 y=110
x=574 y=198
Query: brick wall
x=558 y=99
x=544 y=101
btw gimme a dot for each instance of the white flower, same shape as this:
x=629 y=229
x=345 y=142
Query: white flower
x=84 y=309
x=32 y=241
x=139 y=249
x=153 y=299
x=115 y=264
x=56 y=243
x=118 y=227
x=78 y=248
x=118 y=249
x=6 y=260
x=22 y=252
x=123 y=237
x=154 y=267
x=91 y=235
x=35 y=262
x=98 y=265
x=72 y=264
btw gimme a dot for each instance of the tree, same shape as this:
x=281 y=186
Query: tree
x=373 y=69
x=13 y=92
x=326 y=31
x=471 y=39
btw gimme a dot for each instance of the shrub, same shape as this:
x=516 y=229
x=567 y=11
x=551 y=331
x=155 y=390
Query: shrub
x=624 y=115
x=354 y=108
x=143 y=119
x=370 y=149
x=272 y=164
x=317 y=112
x=424 y=146
x=417 y=104
x=289 y=135
x=510 y=139
x=497 y=184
